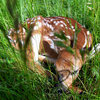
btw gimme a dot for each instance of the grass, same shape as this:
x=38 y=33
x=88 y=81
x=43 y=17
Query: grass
x=19 y=83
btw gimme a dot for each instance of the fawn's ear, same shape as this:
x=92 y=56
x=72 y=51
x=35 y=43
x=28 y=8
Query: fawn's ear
x=17 y=38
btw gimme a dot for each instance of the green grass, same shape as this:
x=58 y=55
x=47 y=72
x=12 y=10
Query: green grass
x=19 y=83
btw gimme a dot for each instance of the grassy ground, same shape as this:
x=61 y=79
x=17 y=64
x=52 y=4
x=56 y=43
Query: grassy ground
x=19 y=83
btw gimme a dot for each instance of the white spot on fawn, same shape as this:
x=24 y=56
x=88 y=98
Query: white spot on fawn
x=51 y=27
x=85 y=41
x=38 y=18
x=51 y=34
x=72 y=27
x=68 y=37
x=28 y=22
x=88 y=33
x=54 y=22
x=36 y=27
x=24 y=31
x=39 y=24
x=57 y=23
x=51 y=42
x=44 y=23
x=51 y=19
x=32 y=22
x=14 y=41
x=61 y=25
x=64 y=31
x=48 y=25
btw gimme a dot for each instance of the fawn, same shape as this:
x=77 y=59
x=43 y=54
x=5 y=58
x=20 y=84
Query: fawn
x=42 y=46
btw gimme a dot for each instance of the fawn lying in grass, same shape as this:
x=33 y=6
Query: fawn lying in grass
x=57 y=40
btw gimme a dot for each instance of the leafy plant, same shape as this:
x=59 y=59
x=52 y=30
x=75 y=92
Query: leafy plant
x=63 y=42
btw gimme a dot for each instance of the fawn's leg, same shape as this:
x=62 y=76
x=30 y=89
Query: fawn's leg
x=33 y=65
x=35 y=46
x=68 y=66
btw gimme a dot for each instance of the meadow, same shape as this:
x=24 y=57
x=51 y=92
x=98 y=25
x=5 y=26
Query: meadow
x=17 y=82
